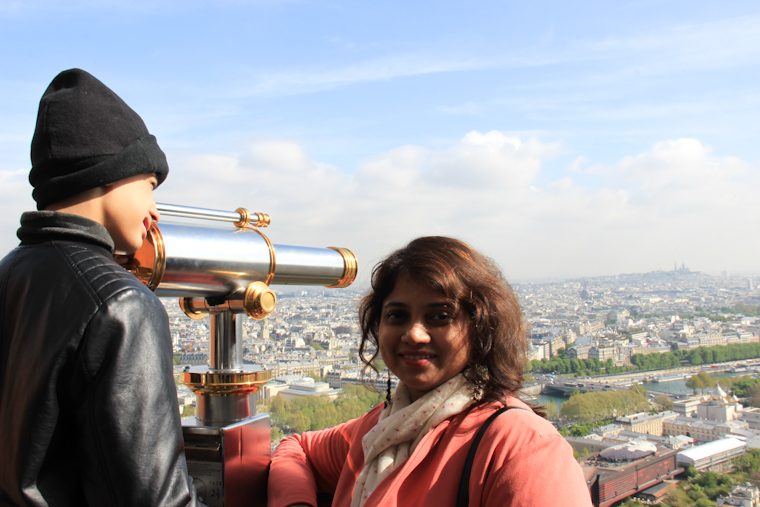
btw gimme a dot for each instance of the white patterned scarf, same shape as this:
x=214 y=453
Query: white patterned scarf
x=400 y=428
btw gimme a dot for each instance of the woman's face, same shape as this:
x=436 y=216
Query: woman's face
x=424 y=337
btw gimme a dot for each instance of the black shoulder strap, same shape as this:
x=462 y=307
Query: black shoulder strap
x=463 y=497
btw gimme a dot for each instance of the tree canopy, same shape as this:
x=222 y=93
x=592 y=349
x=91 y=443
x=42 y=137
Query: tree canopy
x=319 y=412
x=590 y=407
x=700 y=381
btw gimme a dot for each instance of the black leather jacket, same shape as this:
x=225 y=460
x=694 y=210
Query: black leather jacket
x=88 y=406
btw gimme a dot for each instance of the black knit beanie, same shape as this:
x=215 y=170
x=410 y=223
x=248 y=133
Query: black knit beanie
x=86 y=137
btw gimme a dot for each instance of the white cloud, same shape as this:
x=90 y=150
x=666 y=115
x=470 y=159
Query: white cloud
x=683 y=180
x=491 y=160
x=676 y=202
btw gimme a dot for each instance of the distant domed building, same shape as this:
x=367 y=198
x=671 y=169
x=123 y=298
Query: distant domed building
x=719 y=406
x=719 y=393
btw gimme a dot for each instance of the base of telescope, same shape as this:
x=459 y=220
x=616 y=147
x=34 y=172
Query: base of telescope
x=227 y=444
x=229 y=464
x=224 y=396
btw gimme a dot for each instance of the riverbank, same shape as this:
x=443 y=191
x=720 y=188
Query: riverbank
x=673 y=387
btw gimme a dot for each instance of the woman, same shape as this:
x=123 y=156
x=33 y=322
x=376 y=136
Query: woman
x=448 y=325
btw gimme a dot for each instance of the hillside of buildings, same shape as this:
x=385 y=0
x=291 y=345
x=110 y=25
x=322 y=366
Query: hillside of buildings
x=608 y=320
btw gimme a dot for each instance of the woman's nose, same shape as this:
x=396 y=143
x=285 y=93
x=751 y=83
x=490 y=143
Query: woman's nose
x=416 y=333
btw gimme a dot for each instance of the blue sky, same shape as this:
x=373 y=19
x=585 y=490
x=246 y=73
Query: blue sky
x=563 y=139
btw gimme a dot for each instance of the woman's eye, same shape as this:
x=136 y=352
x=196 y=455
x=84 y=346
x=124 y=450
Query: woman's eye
x=441 y=317
x=395 y=315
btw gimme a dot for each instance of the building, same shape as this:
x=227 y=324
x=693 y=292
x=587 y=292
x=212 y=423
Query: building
x=718 y=406
x=295 y=386
x=742 y=496
x=644 y=422
x=627 y=470
x=687 y=407
x=556 y=342
x=537 y=351
x=751 y=416
x=194 y=358
x=602 y=353
x=609 y=430
x=590 y=444
x=714 y=410
x=308 y=387
x=714 y=456
x=656 y=493
x=541 y=348
x=701 y=430
x=302 y=367
x=679 y=442
x=339 y=379
x=578 y=352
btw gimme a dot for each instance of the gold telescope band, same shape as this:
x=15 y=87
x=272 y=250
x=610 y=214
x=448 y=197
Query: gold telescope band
x=272 y=261
x=150 y=270
x=245 y=218
x=351 y=267
x=225 y=384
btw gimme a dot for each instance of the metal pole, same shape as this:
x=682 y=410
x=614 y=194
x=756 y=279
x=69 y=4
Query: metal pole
x=176 y=210
x=226 y=345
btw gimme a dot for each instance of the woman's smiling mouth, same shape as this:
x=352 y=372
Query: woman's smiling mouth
x=417 y=358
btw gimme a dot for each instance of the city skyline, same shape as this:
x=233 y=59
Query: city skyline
x=562 y=141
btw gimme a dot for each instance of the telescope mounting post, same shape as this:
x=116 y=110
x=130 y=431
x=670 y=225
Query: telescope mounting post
x=223 y=390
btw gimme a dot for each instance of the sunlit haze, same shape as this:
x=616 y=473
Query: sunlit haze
x=563 y=139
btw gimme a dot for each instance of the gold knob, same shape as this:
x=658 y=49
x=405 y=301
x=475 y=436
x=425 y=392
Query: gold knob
x=260 y=300
x=190 y=310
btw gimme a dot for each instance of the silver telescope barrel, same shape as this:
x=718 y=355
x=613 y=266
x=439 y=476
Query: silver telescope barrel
x=199 y=261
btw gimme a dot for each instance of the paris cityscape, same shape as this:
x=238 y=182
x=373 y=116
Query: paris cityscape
x=310 y=344
x=667 y=309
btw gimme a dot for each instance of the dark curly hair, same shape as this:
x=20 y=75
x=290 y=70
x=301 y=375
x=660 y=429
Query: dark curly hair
x=474 y=282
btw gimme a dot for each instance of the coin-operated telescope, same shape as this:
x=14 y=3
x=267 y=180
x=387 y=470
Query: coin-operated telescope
x=223 y=272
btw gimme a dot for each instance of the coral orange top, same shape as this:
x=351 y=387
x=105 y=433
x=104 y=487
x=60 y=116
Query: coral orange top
x=522 y=460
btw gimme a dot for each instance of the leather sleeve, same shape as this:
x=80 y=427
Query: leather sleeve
x=129 y=424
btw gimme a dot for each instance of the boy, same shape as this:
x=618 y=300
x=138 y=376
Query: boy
x=88 y=406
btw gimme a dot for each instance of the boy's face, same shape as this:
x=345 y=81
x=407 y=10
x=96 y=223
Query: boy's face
x=129 y=211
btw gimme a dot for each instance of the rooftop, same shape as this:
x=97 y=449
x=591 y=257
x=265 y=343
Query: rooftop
x=711 y=448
